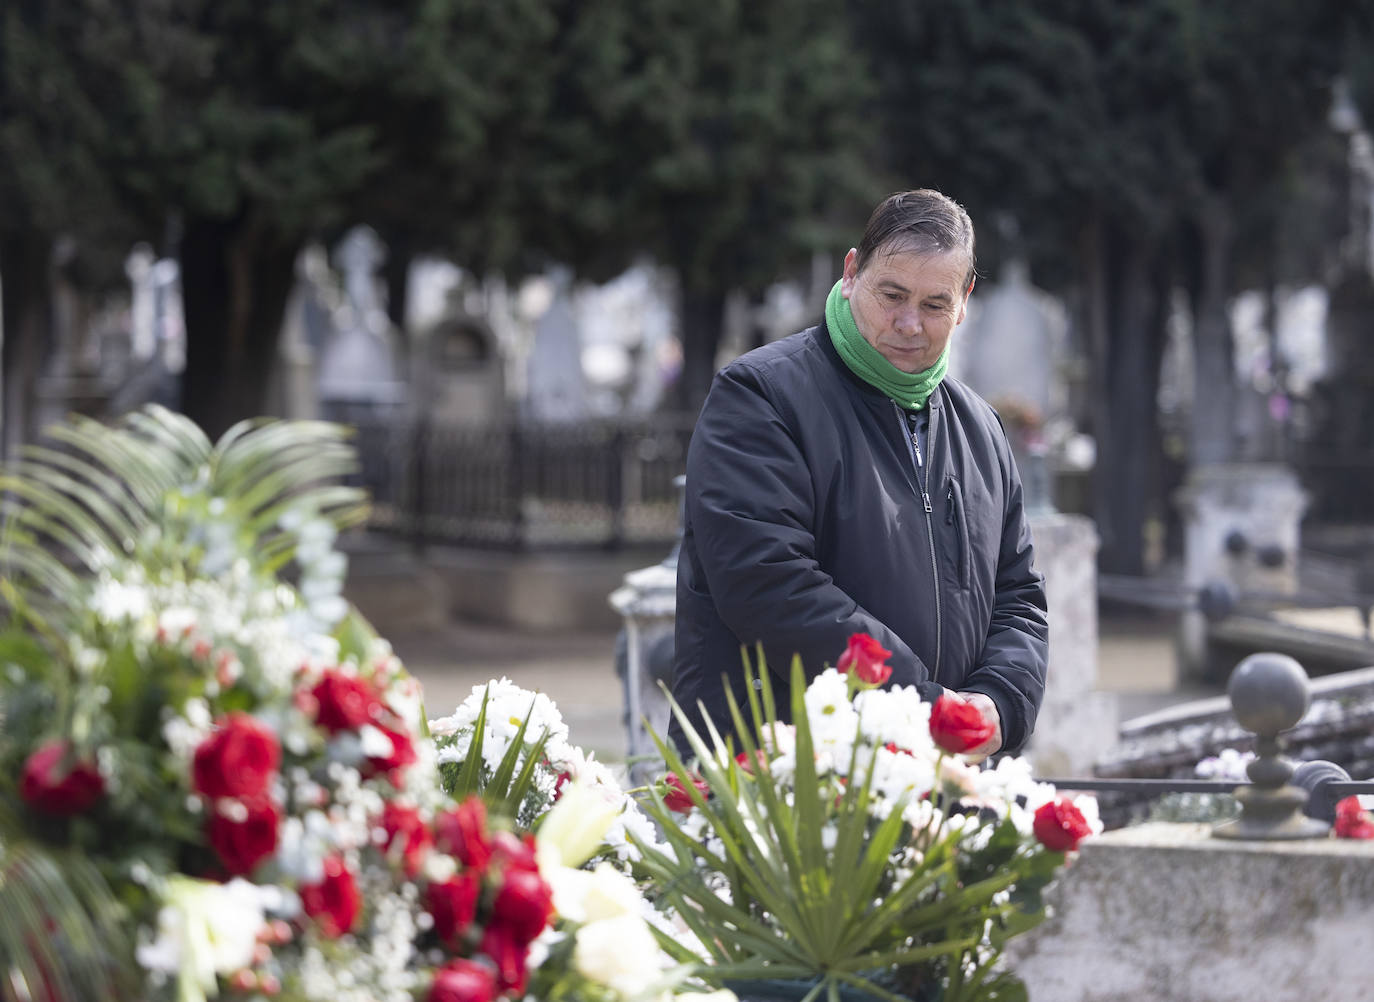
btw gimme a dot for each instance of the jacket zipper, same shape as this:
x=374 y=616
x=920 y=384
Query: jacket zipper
x=922 y=483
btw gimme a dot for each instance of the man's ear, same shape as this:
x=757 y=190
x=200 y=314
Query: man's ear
x=963 y=307
x=851 y=272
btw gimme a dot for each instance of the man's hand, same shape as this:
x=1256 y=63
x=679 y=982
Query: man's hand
x=988 y=709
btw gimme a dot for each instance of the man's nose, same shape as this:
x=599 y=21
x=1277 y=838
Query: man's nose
x=908 y=322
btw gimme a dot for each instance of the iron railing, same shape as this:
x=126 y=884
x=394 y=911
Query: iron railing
x=1269 y=695
x=606 y=484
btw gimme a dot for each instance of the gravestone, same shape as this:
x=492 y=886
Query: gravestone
x=1007 y=350
x=556 y=389
x=1241 y=529
x=357 y=372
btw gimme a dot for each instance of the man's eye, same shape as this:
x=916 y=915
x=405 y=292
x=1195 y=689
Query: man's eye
x=893 y=297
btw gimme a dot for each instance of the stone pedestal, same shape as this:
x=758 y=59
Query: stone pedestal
x=1077 y=723
x=1168 y=913
x=647 y=600
x=1241 y=530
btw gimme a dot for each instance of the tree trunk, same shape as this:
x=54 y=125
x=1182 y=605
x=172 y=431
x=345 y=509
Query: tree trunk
x=27 y=333
x=703 y=314
x=1213 y=417
x=236 y=276
x=396 y=274
x=1128 y=309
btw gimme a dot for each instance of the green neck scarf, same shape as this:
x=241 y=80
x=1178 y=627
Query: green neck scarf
x=911 y=390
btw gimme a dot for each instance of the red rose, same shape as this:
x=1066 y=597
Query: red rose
x=462 y=833
x=402 y=754
x=343 y=702
x=510 y=956
x=867 y=659
x=957 y=726
x=676 y=797
x=453 y=904
x=334 y=902
x=513 y=852
x=49 y=787
x=1352 y=820
x=463 y=981
x=404 y=830
x=238 y=760
x=1059 y=825
x=243 y=834
x=524 y=904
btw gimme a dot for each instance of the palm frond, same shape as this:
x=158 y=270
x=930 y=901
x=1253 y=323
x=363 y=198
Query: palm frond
x=61 y=929
x=99 y=494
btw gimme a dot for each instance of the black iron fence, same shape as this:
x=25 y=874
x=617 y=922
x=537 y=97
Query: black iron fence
x=604 y=484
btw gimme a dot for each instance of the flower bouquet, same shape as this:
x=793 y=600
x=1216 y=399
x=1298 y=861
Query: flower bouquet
x=219 y=783
x=855 y=854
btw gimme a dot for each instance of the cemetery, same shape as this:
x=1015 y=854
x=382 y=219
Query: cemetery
x=351 y=355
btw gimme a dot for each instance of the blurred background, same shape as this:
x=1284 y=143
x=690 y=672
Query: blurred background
x=511 y=242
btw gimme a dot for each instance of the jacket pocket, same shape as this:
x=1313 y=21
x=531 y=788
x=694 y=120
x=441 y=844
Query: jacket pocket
x=956 y=520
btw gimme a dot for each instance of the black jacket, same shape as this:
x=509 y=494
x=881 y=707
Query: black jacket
x=804 y=523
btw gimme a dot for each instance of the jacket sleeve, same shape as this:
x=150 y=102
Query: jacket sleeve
x=751 y=506
x=1011 y=669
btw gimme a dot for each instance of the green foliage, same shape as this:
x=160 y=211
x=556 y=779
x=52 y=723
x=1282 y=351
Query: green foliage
x=771 y=898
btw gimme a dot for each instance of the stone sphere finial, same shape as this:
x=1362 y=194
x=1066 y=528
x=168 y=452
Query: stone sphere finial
x=1268 y=693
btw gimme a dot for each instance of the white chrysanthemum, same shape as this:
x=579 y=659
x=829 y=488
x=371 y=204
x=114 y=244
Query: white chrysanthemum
x=895 y=716
x=834 y=724
x=898 y=776
x=507 y=707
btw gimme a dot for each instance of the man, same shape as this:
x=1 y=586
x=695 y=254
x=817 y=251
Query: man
x=838 y=483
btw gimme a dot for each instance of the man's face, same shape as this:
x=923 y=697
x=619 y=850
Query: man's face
x=907 y=303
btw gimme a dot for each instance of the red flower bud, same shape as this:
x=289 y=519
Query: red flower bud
x=243 y=840
x=334 y=902
x=867 y=659
x=524 y=904
x=402 y=754
x=513 y=852
x=1059 y=825
x=957 y=726
x=404 y=831
x=463 y=981
x=1352 y=820
x=462 y=833
x=344 y=702
x=237 y=760
x=453 y=904
x=50 y=787
x=676 y=797
x=750 y=765
x=510 y=956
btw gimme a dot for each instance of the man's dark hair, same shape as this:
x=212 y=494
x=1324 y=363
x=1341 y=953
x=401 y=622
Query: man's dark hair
x=924 y=221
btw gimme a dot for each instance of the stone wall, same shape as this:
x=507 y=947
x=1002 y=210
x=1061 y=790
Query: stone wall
x=1169 y=914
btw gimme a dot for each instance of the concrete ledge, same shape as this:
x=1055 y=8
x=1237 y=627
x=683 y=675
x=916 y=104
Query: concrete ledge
x=1165 y=912
x=399 y=589
x=536 y=591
